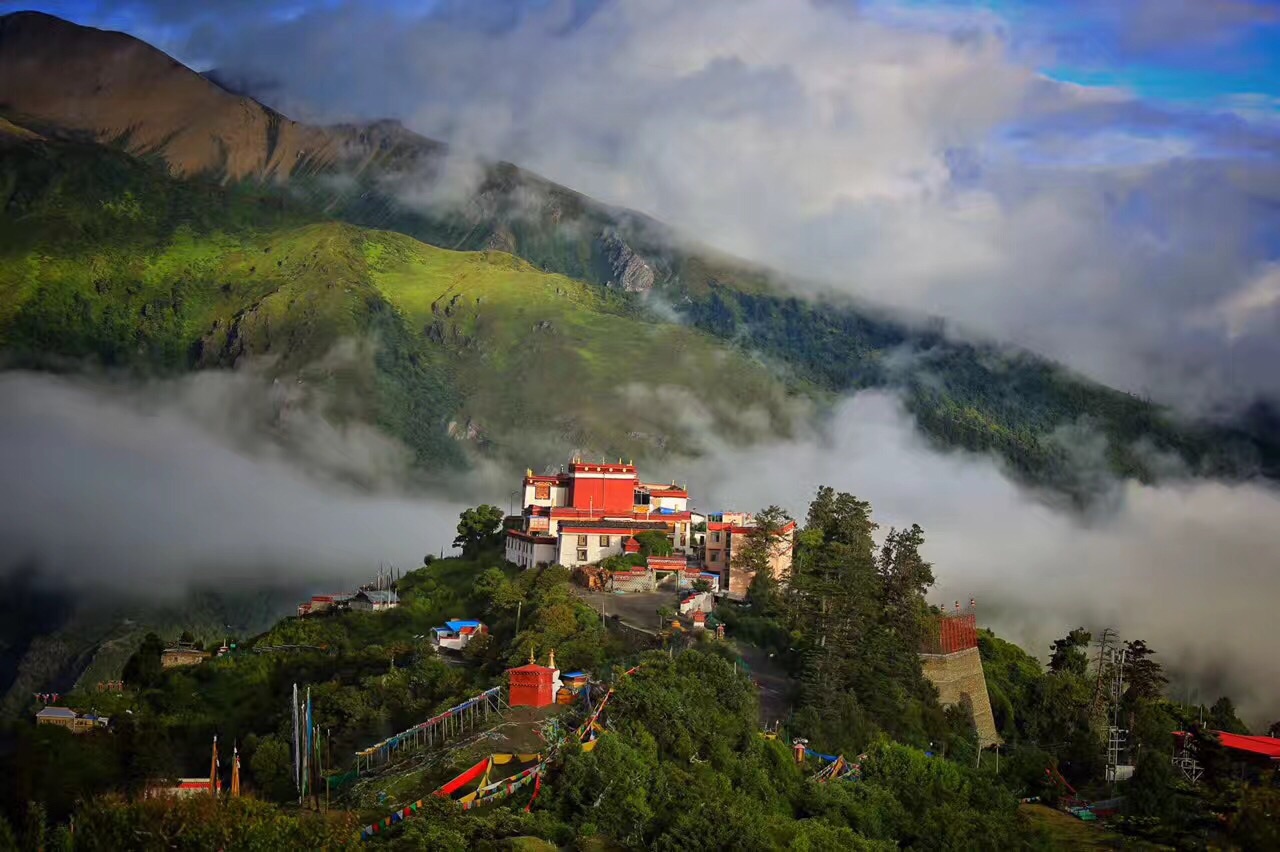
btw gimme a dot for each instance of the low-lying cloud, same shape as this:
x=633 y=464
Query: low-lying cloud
x=1189 y=567
x=214 y=479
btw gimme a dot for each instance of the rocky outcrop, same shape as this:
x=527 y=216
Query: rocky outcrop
x=628 y=270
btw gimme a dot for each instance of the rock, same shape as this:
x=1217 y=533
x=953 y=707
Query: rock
x=630 y=272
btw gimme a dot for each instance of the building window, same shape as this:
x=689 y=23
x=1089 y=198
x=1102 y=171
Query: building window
x=715 y=556
x=715 y=536
x=542 y=491
x=582 y=556
x=604 y=541
x=582 y=541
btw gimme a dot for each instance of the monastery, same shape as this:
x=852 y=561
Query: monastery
x=593 y=510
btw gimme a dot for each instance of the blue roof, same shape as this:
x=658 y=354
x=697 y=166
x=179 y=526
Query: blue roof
x=458 y=625
x=576 y=674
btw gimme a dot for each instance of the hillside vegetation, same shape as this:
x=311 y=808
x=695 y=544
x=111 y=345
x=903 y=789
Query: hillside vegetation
x=679 y=760
x=247 y=168
x=110 y=262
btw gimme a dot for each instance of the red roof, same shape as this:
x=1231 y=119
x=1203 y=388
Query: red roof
x=1261 y=746
x=532 y=667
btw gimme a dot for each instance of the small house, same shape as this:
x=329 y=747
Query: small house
x=374 y=600
x=456 y=634
x=63 y=717
x=181 y=655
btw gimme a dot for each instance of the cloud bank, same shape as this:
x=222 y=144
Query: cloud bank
x=916 y=157
x=213 y=479
x=1189 y=568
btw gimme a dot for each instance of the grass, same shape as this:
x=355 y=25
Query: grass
x=539 y=351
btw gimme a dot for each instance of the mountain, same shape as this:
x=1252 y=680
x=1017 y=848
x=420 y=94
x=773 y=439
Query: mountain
x=251 y=162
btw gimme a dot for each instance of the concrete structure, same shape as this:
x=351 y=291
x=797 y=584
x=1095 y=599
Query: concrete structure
x=952 y=663
x=533 y=685
x=456 y=634
x=728 y=529
x=320 y=603
x=181 y=655
x=65 y=717
x=587 y=512
x=185 y=787
x=374 y=600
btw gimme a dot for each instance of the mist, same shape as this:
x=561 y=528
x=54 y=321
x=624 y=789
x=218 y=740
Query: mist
x=216 y=479
x=1190 y=567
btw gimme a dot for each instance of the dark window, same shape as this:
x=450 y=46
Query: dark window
x=715 y=536
x=715 y=556
x=604 y=541
x=582 y=556
x=582 y=541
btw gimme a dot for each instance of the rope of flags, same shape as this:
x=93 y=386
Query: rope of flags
x=395 y=741
x=47 y=697
x=486 y=791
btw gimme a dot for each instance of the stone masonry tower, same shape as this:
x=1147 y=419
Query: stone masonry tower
x=952 y=664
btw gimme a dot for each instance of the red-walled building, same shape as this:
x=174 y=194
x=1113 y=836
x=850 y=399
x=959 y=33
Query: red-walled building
x=533 y=685
x=590 y=510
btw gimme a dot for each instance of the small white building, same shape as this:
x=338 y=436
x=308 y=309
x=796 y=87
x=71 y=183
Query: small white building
x=529 y=550
x=457 y=634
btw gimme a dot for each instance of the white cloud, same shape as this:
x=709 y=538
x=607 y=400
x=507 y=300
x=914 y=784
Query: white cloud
x=917 y=160
x=1189 y=568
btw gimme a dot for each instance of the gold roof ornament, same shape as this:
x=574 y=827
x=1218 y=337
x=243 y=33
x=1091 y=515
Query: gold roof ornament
x=531 y=657
x=551 y=659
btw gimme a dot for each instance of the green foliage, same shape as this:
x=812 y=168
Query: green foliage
x=479 y=528
x=201 y=822
x=272 y=769
x=143 y=669
x=1256 y=824
x=1069 y=654
x=654 y=543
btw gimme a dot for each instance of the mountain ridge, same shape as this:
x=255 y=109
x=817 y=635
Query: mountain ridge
x=978 y=397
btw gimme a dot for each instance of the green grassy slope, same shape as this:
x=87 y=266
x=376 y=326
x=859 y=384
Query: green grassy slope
x=109 y=262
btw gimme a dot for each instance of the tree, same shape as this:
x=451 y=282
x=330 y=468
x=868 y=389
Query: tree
x=1149 y=792
x=1222 y=717
x=143 y=669
x=904 y=578
x=654 y=543
x=763 y=543
x=479 y=529
x=1069 y=656
x=1145 y=677
x=272 y=767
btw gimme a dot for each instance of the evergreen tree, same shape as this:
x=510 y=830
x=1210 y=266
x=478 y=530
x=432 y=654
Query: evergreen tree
x=1069 y=656
x=143 y=669
x=1144 y=676
x=904 y=578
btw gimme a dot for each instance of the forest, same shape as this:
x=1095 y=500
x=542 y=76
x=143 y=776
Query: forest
x=683 y=759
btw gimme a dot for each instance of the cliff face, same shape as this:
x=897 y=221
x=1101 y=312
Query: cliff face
x=630 y=271
x=959 y=680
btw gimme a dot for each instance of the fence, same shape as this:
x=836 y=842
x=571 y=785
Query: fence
x=435 y=730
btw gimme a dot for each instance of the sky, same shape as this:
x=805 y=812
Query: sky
x=1096 y=181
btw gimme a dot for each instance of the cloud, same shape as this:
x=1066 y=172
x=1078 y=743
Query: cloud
x=215 y=479
x=1189 y=568
x=920 y=161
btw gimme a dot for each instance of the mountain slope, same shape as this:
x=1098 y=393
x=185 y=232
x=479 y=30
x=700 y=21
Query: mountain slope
x=976 y=396
x=477 y=346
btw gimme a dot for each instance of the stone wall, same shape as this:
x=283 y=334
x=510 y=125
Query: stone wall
x=959 y=680
x=632 y=581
